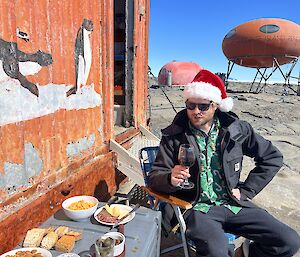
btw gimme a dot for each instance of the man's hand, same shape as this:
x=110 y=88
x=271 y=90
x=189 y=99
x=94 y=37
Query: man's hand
x=236 y=193
x=178 y=174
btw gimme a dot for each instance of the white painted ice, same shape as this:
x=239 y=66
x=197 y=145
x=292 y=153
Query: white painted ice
x=18 y=104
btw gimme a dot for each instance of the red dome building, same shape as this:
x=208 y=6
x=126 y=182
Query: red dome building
x=181 y=73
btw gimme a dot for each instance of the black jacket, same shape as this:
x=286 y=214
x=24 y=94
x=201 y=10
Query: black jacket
x=237 y=139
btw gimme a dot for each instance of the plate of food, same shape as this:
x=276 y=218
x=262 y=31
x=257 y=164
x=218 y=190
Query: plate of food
x=109 y=215
x=28 y=252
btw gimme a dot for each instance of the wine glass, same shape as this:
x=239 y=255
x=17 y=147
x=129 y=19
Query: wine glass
x=186 y=158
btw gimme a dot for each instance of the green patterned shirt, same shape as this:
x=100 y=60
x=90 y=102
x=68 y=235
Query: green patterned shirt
x=212 y=181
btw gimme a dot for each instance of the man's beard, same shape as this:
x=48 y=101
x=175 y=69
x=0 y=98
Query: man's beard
x=200 y=122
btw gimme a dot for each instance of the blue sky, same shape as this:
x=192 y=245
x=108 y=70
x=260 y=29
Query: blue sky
x=193 y=30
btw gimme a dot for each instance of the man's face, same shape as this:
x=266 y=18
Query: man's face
x=197 y=117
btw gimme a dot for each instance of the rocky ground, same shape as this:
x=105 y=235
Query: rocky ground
x=275 y=117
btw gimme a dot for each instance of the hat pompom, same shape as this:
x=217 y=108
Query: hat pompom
x=226 y=104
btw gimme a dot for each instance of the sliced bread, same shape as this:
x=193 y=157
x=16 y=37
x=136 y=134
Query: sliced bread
x=75 y=234
x=62 y=230
x=34 y=237
x=49 y=240
x=65 y=244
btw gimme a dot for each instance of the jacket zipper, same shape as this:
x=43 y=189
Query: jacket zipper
x=225 y=174
x=222 y=144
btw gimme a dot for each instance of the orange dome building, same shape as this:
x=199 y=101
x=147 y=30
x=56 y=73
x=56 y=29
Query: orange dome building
x=256 y=43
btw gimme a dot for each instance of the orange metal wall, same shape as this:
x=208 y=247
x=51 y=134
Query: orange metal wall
x=52 y=28
x=107 y=72
x=141 y=21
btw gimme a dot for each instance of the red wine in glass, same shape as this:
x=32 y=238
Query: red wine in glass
x=186 y=158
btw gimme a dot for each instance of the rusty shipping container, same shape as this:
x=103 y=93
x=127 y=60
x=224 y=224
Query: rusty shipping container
x=69 y=69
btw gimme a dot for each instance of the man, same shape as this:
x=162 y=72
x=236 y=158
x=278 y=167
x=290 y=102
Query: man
x=221 y=203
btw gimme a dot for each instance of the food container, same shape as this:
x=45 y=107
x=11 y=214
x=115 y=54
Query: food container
x=119 y=242
x=68 y=255
x=78 y=215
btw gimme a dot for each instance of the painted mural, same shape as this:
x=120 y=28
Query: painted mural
x=50 y=93
x=83 y=56
x=15 y=65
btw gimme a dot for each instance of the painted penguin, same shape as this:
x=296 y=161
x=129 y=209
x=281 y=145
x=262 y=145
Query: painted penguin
x=16 y=64
x=82 y=56
x=23 y=35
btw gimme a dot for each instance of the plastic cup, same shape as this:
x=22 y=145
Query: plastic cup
x=104 y=247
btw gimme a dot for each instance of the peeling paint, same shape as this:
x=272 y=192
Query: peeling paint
x=1 y=181
x=100 y=130
x=32 y=162
x=14 y=176
x=17 y=175
x=74 y=149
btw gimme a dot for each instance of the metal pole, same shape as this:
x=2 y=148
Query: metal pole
x=262 y=77
x=168 y=99
x=229 y=69
x=252 y=84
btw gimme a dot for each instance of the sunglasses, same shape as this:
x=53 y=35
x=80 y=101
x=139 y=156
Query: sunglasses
x=201 y=107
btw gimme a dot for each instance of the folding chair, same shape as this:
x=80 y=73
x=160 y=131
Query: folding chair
x=147 y=157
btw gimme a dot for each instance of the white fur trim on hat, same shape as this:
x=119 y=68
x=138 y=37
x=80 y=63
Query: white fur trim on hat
x=209 y=92
x=202 y=90
x=226 y=104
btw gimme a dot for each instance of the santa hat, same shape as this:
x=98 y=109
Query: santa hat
x=209 y=86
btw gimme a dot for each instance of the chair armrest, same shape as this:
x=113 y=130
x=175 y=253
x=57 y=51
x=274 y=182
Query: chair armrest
x=168 y=198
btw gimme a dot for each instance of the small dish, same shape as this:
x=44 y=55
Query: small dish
x=124 y=207
x=43 y=252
